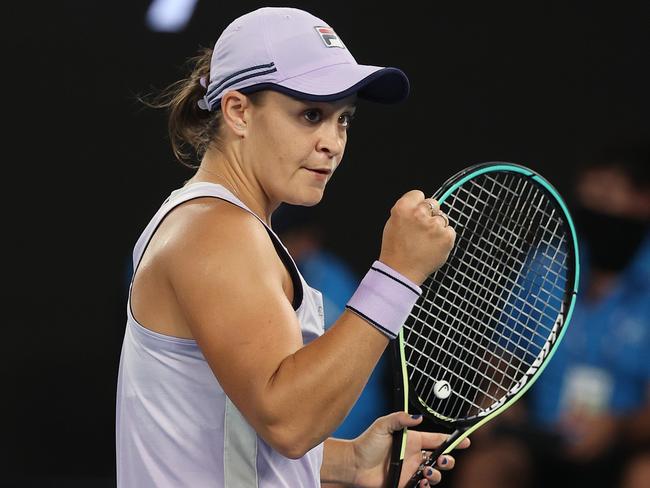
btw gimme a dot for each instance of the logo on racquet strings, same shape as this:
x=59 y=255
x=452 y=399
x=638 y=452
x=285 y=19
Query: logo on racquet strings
x=329 y=37
x=441 y=389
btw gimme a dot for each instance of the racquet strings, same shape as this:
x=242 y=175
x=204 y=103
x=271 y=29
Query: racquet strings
x=484 y=317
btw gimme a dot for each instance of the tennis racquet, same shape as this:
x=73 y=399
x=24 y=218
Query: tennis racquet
x=490 y=319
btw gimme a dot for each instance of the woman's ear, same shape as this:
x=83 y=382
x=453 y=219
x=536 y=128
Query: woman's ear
x=234 y=105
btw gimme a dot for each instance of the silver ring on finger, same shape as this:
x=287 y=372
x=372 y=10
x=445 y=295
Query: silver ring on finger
x=426 y=456
x=432 y=208
x=440 y=213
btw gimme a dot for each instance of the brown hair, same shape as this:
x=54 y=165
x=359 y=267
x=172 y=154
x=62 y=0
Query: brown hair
x=191 y=129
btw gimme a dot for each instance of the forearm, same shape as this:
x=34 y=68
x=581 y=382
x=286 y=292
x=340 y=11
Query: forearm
x=338 y=462
x=314 y=389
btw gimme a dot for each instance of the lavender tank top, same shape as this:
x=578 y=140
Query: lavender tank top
x=175 y=426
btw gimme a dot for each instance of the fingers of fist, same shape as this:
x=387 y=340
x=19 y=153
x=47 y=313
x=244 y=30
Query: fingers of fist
x=426 y=210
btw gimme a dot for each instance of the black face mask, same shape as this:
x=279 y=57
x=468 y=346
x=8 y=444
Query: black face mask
x=612 y=241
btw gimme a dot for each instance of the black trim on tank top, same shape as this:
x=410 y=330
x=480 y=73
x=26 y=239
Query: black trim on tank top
x=291 y=267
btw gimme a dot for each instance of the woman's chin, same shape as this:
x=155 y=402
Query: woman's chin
x=307 y=198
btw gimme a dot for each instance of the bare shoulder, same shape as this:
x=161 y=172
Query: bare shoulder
x=212 y=217
x=212 y=232
x=203 y=248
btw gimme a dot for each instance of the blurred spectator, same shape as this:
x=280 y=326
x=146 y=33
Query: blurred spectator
x=301 y=232
x=587 y=419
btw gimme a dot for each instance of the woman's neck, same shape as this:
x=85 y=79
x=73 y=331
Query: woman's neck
x=224 y=170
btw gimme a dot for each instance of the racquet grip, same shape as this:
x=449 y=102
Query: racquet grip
x=415 y=479
x=395 y=467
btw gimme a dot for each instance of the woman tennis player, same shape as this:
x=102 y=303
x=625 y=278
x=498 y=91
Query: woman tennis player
x=226 y=377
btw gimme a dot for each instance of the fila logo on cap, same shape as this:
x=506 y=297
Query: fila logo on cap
x=329 y=37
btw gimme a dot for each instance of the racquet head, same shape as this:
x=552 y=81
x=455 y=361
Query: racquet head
x=492 y=316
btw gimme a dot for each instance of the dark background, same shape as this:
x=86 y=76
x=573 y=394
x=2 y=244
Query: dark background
x=86 y=166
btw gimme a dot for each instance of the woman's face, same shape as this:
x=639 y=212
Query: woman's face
x=295 y=146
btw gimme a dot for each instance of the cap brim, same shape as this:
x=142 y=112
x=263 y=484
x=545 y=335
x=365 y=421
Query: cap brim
x=373 y=83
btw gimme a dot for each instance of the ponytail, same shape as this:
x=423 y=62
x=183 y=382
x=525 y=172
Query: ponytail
x=191 y=128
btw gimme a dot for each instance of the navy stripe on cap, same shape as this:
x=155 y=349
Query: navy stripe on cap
x=215 y=89
x=215 y=95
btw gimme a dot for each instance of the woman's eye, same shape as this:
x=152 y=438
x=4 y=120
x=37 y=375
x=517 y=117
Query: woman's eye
x=313 y=115
x=346 y=120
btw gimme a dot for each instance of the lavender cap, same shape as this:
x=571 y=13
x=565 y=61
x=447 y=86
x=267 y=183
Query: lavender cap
x=293 y=52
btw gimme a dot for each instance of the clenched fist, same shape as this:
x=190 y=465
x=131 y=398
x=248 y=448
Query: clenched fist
x=417 y=239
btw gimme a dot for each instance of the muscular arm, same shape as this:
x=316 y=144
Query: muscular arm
x=228 y=281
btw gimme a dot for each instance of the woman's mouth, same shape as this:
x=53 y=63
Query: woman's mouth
x=320 y=173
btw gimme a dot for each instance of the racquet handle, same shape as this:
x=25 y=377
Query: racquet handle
x=418 y=476
x=395 y=467
x=415 y=479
